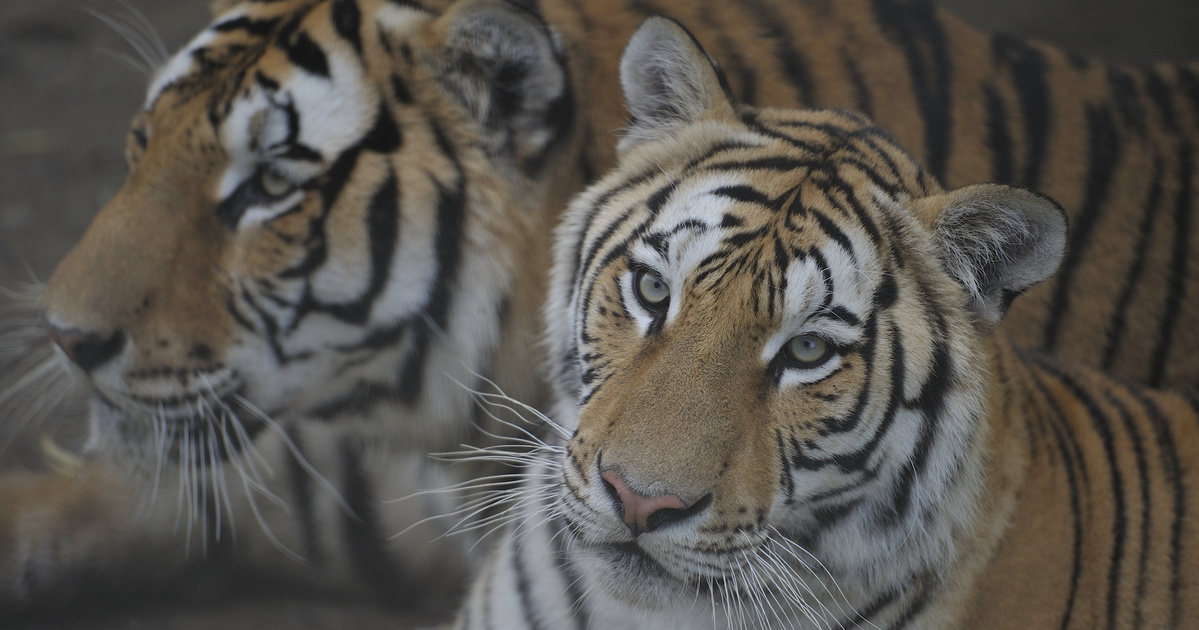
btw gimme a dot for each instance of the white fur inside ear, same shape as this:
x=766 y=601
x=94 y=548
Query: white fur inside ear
x=668 y=80
x=999 y=241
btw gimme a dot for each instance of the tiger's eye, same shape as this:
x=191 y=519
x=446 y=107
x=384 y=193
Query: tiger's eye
x=652 y=289
x=274 y=184
x=809 y=350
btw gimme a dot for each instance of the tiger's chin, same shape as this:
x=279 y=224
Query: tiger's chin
x=148 y=433
x=629 y=573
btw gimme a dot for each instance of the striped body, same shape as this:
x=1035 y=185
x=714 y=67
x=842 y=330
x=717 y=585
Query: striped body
x=786 y=400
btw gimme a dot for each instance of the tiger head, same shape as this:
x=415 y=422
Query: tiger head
x=771 y=336
x=324 y=205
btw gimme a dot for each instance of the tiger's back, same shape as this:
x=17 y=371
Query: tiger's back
x=1103 y=531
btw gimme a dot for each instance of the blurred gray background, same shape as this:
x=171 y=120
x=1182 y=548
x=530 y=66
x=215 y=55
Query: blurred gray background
x=66 y=97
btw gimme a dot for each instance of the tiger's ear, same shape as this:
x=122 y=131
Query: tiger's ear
x=505 y=66
x=997 y=241
x=668 y=81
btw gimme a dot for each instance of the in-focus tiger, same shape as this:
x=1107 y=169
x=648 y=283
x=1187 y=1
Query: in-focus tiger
x=788 y=403
x=338 y=210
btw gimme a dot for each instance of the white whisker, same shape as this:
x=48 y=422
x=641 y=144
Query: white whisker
x=299 y=456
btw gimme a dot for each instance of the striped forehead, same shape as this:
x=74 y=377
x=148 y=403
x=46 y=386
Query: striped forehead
x=722 y=228
x=307 y=93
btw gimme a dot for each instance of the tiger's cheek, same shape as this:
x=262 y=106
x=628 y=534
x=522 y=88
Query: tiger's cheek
x=270 y=249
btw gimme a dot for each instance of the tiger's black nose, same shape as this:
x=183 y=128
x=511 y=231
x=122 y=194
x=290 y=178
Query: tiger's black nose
x=87 y=350
x=644 y=514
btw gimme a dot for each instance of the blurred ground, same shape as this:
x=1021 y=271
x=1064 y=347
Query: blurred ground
x=66 y=97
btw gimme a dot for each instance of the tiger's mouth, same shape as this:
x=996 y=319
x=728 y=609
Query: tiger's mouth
x=174 y=394
x=213 y=423
x=629 y=556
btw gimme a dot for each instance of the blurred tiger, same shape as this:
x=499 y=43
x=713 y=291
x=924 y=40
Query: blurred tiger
x=786 y=402
x=336 y=223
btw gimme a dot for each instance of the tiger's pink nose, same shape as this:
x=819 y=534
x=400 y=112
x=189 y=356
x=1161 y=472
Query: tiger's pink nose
x=641 y=513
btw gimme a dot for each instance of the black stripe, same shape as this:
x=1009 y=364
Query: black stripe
x=347 y=21
x=1120 y=519
x=1028 y=71
x=1177 y=275
x=383 y=231
x=856 y=461
x=916 y=603
x=914 y=27
x=931 y=402
x=451 y=218
x=1126 y=97
x=385 y=136
x=743 y=193
x=301 y=489
x=1138 y=449
x=863 y=101
x=1188 y=84
x=830 y=229
x=301 y=50
x=1104 y=155
x=574 y=591
x=524 y=589
x=795 y=67
x=399 y=89
x=1074 y=467
x=1172 y=471
x=257 y=28
x=732 y=61
x=1159 y=92
x=365 y=544
x=863 y=617
x=1150 y=211
x=998 y=139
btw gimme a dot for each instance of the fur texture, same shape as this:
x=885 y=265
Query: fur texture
x=336 y=226
x=784 y=399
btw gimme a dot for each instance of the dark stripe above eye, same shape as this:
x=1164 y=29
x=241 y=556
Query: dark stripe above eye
x=302 y=153
x=266 y=82
x=746 y=194
x=258 y=28
x=347 y=19
x=302 y=51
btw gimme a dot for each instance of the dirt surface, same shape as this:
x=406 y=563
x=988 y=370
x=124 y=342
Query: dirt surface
x=67 y=91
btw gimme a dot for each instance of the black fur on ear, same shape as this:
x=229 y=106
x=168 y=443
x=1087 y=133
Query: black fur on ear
x=997 y=241
x=506 y=67
x=668 y=80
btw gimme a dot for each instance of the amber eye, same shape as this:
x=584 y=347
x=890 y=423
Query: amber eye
x=652 y=290
x=809 y=350
x=274 y=184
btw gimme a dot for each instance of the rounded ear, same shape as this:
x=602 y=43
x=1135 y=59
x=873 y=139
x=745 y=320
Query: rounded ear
x=505 y=66
x=997 y=241
x=668 y=80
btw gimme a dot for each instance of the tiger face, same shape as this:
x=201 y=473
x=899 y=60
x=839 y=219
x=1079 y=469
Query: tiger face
x=317 y=221
x=771 y=328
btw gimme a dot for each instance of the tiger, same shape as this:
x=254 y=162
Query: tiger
x=787 y=400
x=333 y=240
